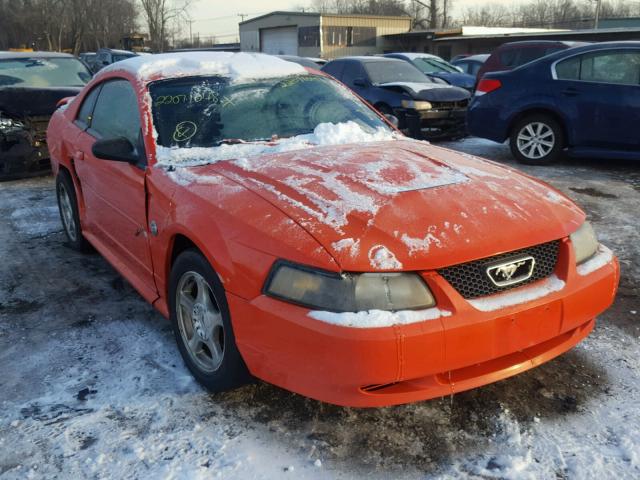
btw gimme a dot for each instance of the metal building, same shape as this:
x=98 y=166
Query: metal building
x=319 y=35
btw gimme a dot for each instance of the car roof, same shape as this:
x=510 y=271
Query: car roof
x=412 y=55
x=240 y=65
x=11 y=55
x=482 y=57
x=304 y=61
x=115 y=50
x=592 y=47
x=525 y=43
x=366 y=59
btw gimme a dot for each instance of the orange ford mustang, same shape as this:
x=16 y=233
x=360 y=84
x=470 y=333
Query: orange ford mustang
x=290 y=233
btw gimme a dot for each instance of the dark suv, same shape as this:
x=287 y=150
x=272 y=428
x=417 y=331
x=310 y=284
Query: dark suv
x=511 y=55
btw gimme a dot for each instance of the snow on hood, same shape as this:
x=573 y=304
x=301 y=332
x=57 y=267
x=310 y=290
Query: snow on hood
x=237 y=66
x=323 y=134
x=404 y=205
x=415 y=87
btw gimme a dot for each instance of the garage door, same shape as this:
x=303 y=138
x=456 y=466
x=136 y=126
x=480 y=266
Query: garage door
x=279 y=41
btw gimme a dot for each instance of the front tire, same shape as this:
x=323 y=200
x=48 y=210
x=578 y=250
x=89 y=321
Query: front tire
x=537 y=140
x=202 y=324
x=69 y=215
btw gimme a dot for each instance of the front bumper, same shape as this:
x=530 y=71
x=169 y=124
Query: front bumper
x=433 y=124
x=370 y=367
x=22 y=155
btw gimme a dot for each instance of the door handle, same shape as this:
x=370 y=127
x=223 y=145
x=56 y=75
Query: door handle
x=78 y=156
x=571 y=92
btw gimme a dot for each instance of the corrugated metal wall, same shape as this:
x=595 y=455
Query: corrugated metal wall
x=382 y=25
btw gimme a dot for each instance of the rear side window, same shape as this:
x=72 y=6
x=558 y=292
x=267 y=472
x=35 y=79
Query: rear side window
x=116 y=112
x=83 y=120
x=621 y=67
x=568 y=69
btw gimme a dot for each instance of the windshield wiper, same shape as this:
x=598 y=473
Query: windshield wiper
x=238 y=141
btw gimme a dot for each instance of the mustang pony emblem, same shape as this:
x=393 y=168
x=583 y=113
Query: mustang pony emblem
x=511 y=272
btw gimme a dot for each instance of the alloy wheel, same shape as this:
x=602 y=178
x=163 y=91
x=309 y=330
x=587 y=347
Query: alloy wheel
x=536 y=140
x=200 y=322
x=68 y=220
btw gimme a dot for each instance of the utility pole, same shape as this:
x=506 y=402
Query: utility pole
x=243 y=16
x=190 y=33
x=597 y=17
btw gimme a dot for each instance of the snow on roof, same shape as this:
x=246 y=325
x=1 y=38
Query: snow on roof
x=414 y=55
x=237 y=66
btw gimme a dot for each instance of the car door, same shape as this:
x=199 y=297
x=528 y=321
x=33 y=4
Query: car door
x=114 y=191
x=601 y=92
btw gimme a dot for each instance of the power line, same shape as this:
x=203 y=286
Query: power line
x=224 y=17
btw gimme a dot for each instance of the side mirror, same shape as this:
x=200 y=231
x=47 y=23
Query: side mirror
x=117 y=149
x=392 y=119
x=359 y=82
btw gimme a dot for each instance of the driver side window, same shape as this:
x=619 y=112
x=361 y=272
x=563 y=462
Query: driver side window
x=116 y=112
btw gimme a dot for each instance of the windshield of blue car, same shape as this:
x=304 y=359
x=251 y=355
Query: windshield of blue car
x=399 y=71
x=209 y=111
x=431 y=65
x=43 y=72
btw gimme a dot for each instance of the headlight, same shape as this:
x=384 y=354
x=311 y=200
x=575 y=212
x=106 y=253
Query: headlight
x=7 y=123
x=322 y=290
x=585 y=243
x=416 y=105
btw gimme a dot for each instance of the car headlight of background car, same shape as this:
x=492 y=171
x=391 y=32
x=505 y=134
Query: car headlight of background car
x=416 y=105
x=9 y=124
x=353 y=292
x=585 y=243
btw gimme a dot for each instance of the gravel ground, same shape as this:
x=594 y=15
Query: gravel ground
x=92 y=385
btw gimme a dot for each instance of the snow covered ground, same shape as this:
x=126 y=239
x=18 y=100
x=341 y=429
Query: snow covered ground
x=92 y=385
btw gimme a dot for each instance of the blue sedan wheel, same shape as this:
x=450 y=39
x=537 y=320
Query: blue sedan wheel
x=537 y=139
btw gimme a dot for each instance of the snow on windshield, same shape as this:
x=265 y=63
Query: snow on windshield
x=323 y=134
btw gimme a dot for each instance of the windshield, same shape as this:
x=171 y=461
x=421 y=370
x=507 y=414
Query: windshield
x=208 y=111
x=43 y=72
x=400 y=71
x=431 y=65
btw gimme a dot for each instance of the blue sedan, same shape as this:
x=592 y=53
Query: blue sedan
x=584 y=100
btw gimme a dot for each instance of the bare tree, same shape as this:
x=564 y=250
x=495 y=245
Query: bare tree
x=160 y=16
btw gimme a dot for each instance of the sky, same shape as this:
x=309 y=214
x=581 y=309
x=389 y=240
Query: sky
x=220 y=18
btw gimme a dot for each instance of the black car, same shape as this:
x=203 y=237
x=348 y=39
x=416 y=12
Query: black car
x=107 y=56
x=424 y=107
x=89 y=59
x=31 y=84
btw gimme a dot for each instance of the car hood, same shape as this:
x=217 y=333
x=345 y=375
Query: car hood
x=405 y=205
x=21 y=102
x=431 y=92
x=459 y=79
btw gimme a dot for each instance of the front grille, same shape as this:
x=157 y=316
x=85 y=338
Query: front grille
x=449 y=105
x=471 y=279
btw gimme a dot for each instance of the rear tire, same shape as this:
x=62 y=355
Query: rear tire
x=202 y=324
x=69 y=215
x=537 y=139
